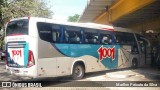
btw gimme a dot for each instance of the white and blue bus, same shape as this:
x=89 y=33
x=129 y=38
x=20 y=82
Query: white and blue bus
x=39 y=47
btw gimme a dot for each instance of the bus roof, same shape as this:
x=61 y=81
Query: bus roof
x=85 y=25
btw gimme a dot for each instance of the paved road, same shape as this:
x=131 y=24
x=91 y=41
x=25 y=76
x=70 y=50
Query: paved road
x=94 y=80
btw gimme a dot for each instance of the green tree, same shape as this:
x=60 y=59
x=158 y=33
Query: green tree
x=73 y=18
x=20 y=8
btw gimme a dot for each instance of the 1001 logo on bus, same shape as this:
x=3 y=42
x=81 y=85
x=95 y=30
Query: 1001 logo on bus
x=106 y=53
x=16 y=53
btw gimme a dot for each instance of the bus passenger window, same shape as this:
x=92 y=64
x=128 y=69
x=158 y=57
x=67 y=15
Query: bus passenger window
x=73 y=37
x=124 y=38
x=91 y=38
x=117 y=39
x=45 y=31
x=73 y=34
x=66 y=37
x=56 y=36
x=56 y=33
x=106 y=39
x=143 y=42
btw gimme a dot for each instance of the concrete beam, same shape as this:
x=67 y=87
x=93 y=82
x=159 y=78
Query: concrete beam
x=124 y=7
x=93 y=11
x=101 y=3
x=88 y=16
x=95 y=8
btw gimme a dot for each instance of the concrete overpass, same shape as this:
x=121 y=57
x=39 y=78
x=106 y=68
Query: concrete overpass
x=139 y=15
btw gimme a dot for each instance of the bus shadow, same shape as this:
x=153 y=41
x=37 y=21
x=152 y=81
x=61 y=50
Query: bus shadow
x=93 y=74
x=66 y=81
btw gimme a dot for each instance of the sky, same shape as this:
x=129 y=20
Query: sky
x=64 y=8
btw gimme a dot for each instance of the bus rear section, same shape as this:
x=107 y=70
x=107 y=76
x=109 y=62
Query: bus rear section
x=19 y=48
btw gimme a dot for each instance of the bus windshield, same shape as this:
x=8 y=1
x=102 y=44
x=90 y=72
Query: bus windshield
x=17 y=27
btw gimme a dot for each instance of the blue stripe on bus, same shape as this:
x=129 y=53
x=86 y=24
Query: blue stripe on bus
x=26 y=48
x=60 y=50
x=78 y=50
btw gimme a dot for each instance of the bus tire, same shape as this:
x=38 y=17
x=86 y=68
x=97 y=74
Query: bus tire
x=134 y=63
x=78 y=71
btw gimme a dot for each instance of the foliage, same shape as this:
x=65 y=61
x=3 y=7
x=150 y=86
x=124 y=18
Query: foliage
x=73 y=18
x=20 y=8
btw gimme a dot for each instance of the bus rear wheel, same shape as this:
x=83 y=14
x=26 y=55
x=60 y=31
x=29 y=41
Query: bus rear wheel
x=78 y=72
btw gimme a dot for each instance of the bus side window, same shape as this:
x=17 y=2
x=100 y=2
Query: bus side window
x=117 y=39
x=106 y=39
x=124 y=38
x=91 y=38
x=130 y=39
x=66 y=37
x=56 y=36
x=74 y=38
x=45 y=31
x=56 y=33
x=72 y=34
x=142 y=42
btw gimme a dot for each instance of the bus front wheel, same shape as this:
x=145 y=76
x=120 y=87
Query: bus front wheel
x=78 y=72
